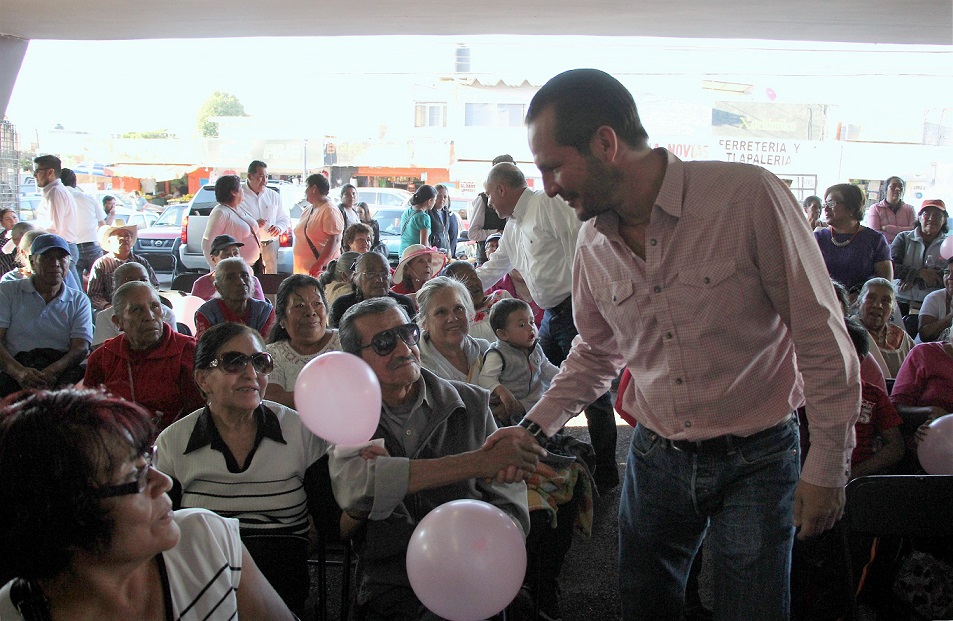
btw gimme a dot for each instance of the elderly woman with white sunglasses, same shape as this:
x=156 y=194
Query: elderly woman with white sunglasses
x=244 y=457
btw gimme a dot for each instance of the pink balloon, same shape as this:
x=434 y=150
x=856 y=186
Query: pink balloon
x=190 y=304
x=936 y=449
x=946 y=248
x=338 y=397
x=466 y=560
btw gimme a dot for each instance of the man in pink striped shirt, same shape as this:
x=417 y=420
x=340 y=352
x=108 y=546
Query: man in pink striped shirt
x=703 y=279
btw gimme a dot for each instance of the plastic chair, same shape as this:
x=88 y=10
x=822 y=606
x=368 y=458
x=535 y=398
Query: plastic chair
x=898 y=506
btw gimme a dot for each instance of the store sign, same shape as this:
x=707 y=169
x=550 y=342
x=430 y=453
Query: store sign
x=759 y=152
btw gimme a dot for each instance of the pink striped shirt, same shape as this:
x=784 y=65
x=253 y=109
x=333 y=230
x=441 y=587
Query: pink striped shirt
x=732 y=287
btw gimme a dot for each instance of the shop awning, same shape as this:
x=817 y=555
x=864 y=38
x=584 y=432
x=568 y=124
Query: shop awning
x=159 y=172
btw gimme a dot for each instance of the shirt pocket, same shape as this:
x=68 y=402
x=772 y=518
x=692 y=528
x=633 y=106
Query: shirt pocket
x=707 y=276
x=612 y=293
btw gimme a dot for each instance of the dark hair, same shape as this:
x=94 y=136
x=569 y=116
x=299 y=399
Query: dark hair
x=854 y=199
x=351 y=232
x=506 y=157
x=206 y=350
x=502 y=310
x=49 y=161
x=108 y=197
x=858 y=335
x=224 y=187
x=346 y=187
x=255 y=165
x=4 y=211
x=54 y=449
x=68 y=177
x=288 y=286
x=584 y=100
x=347 y=331
x=319 y=181
x=886 y=184
x=812 y=199
x=423 y=194
x=843 y=296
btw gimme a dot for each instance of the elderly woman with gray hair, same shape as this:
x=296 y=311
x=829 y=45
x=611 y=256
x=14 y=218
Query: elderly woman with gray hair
x=446 y=347
x=149 y=363
x=875 y=307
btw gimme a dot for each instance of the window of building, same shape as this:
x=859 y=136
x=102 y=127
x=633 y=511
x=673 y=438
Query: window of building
x=495 y=114
x=430 y=114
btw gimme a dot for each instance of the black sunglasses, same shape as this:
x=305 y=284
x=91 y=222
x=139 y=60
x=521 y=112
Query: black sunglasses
x=133 y=487
x=233 y=362
x=383 y=343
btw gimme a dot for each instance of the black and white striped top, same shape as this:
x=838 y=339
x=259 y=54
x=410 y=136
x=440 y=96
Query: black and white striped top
x=267 y=497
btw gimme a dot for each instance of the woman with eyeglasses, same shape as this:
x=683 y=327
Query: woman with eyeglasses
x=228 y=218
x=371 y=279
x=87 y=528
x=244 y=457
x=300 y=335
x=852 y=252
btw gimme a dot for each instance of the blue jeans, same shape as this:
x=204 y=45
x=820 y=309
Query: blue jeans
x=556 y=333
x=744 y=499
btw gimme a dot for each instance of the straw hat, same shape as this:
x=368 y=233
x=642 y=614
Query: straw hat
x=437 y=258
x=109 y=229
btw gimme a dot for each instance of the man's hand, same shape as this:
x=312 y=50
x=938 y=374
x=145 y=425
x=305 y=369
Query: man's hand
x=514 y=473
x=274 y=230
x=31 y=378
x=511 y=450
x=816 y=508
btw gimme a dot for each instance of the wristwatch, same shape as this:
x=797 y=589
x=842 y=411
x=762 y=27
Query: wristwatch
x=534 y=429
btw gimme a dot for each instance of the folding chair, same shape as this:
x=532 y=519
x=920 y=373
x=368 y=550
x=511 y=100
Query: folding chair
x=184 y=282
x=332 y=549
x=899 y=506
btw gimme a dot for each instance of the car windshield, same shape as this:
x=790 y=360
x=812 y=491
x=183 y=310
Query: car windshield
x=389 y=220
x=171 y=216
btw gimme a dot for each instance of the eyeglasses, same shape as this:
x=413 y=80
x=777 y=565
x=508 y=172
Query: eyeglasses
x=381 y=276
x=234 y=362
x=133 y=487
x=36 y=170
x=830 y=204
x=383 y=343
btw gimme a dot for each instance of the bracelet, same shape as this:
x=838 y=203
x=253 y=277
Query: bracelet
x=534 y=429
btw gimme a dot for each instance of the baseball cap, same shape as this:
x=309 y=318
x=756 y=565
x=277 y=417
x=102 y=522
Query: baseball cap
x=48 y=241
x=223 y=241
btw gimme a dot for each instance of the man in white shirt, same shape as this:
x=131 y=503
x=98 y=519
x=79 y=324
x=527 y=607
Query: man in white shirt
x=539 y=240
x=88 y=220
x=348 y=206
x=57 y=211
x=264 y=205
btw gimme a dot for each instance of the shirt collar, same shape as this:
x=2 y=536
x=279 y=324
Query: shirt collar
x=205 y=433
x=669 y=198
x=519 y=211
x=52 y=184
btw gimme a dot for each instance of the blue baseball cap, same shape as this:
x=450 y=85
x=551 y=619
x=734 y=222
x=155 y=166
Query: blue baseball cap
x=48 y=241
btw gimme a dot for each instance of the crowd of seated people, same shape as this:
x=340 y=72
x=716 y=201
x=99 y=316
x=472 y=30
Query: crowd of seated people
x=222 y=401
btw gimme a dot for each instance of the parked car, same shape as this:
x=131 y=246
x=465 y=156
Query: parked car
x=188 y=249
x=388 y=219
x=376 y=198
x=158 y=243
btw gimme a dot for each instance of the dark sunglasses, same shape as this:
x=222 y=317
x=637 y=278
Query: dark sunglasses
x=133 y=487
x=233 y=362
x=383 y=343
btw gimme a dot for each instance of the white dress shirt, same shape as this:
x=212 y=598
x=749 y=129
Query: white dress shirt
x=58 y=211
x=539 y=240
x=87 y=216
x=265 y=206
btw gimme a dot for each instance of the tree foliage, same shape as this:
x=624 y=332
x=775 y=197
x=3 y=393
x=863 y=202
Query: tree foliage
x=150 y=135
x=219 y=103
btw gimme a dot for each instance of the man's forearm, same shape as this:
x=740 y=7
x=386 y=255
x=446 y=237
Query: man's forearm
x=431 y=473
